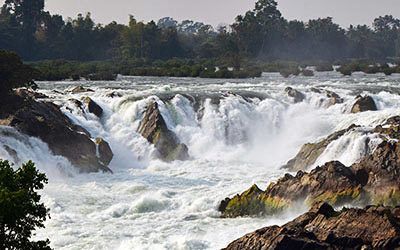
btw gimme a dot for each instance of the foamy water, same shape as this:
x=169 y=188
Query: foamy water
x=234 y=141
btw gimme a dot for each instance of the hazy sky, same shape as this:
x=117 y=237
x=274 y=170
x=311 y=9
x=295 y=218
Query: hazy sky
x=215 y=12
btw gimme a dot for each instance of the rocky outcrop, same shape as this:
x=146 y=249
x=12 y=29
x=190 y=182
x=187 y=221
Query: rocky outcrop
x=93 y=107
x=310 y=152
x=155 y=130
x=374 y=227
x=373 y=180
x=295 y=94
x=104 y=151
x=363 y=103
x=46 y=121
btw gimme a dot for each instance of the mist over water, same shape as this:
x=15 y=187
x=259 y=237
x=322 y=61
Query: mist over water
x=239 y=132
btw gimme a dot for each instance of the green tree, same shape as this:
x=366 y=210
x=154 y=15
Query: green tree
x=28 y=14
x=21 y=210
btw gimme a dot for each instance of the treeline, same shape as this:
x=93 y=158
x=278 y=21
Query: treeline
x=55 y=70
x=261 y=35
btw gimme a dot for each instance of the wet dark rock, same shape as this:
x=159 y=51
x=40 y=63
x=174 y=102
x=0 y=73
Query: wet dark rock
x=316 y=90
x=295 y=94
x=12 y=152
x=114 y=94
x=307 y=72
x=333 y=97
x=364 y=103
x=105 y=152
x=374 y=227
x=155 y=130
x=46 y=121
x=310 y=152
x=27 y=93
x=77 y=104
x=93 y=107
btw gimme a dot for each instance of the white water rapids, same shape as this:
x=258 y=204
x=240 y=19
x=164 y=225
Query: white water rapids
x=238 y=140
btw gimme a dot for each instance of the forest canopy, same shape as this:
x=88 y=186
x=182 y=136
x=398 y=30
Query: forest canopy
x=262 y=34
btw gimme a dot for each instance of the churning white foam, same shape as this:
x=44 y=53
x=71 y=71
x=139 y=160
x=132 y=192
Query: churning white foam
x=240 y=138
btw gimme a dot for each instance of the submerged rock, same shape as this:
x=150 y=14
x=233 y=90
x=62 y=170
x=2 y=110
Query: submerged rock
x=80 y=89
x=333 y=97
x=295 y=94
x=374 y=227
x=46 y=121
x=364 y=103
x=154 y=129
x=93 y=107
x=310 y=152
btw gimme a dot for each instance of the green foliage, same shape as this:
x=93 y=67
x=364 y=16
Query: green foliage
x=107 y=70
x=21 y=210
x=261 y=34
x=13 y=73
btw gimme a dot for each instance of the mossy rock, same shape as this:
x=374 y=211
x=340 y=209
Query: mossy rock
x=252 y=202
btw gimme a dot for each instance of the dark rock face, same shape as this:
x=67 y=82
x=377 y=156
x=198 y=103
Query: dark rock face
x=364 y=103
x=104 y=151
x=93 y=107
x=310 y=152
x=154 y=129
x=323 y=228
x=295 y=94
x=45 y=121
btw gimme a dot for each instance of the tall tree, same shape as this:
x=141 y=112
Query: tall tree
x=28 y=14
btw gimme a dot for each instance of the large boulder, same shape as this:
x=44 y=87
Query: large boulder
x=105 y=153
x=155 y=130
x=374 y=227
x=93 y=107
x=46 y=121
x=364 y=103
x=296 y=95
x=310 y=152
